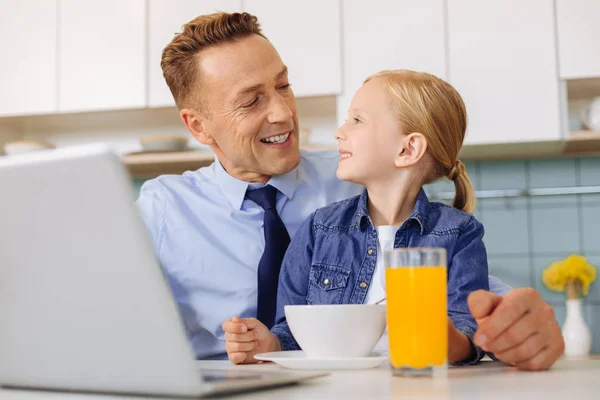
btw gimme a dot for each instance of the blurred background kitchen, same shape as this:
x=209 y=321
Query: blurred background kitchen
x=86 y=71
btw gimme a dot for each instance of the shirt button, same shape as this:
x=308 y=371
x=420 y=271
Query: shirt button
x=326 y=282
x=363 y=285
x=370 y=251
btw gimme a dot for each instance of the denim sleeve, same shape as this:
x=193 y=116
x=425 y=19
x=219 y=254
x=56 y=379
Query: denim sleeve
x=467 y=272
x=293 y=281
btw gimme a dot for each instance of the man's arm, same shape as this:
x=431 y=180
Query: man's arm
x=498 y=287
x=151 y=206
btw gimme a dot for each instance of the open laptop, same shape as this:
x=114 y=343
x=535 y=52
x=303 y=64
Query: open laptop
x=84 y=305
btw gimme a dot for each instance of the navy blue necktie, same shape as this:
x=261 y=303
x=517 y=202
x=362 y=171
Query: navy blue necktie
x=277 y=240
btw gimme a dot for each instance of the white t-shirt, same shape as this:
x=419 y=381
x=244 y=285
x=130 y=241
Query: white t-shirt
x=386 y=235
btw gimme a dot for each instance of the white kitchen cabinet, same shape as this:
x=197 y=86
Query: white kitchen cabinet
x=390 y=34
x=28 y=67
x=166 y=19
x=307 y=36
x=503 y=61
x=101 y=54
x=578 y=30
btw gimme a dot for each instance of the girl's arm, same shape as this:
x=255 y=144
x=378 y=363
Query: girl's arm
x=467 y=272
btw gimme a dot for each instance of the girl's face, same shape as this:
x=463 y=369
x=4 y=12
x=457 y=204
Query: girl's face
x=371 y=138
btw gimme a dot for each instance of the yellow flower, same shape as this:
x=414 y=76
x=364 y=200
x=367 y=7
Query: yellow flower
x=573 y=268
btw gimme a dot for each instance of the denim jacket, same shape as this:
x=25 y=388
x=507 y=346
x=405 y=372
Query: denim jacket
x=332 y=258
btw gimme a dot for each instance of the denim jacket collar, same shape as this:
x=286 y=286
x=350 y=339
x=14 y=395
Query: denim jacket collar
x=419 y=214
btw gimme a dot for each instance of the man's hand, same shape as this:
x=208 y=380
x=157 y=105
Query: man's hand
x=519 y=328
x=246 y=337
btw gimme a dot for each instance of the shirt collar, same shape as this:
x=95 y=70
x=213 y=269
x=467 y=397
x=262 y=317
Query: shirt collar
x=235 y=189
x=286 y=183
x=419 y=214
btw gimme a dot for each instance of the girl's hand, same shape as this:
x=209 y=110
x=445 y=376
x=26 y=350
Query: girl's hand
x=459 y=346
x=246 y=337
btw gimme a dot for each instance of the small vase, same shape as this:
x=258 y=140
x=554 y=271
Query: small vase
x=575 y=331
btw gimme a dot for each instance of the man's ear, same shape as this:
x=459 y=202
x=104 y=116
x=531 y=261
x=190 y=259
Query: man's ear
x=196 y=124
x=413 y=148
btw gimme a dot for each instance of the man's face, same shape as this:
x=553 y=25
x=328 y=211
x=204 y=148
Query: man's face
x=248 y=109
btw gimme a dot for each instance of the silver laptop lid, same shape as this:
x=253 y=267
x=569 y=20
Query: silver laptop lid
x=83 y=302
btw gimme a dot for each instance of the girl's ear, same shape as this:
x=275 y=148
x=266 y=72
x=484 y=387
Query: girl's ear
x=413 y=148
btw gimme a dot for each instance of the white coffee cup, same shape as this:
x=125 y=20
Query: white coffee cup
x=337 y=330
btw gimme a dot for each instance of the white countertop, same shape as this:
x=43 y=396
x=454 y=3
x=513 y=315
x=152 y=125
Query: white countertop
x=568 y=379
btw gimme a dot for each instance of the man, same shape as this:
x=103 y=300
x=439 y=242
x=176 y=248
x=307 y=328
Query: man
x=220 y=232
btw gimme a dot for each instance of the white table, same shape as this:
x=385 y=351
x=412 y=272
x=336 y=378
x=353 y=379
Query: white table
x=568 y=379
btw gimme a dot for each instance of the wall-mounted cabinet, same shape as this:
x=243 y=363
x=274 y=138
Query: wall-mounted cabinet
x=101 y=55
x=390 y=34
x=503 y=60
x=29 y=48
x=307 y=36
x=578 y=35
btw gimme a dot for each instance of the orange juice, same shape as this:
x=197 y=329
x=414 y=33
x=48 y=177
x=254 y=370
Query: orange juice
x=417 y=316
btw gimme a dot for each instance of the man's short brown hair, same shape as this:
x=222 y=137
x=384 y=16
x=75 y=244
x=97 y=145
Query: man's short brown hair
x=180 y=58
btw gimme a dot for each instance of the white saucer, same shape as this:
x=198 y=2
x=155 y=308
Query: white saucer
x=298 y=360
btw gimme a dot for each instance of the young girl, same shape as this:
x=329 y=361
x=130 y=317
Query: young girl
x=404 y=130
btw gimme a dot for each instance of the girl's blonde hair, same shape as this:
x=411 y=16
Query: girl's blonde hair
x=426 y=104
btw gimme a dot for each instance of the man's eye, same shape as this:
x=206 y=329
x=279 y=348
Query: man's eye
x=286 y=86
x=356 y=120
x=252 y=103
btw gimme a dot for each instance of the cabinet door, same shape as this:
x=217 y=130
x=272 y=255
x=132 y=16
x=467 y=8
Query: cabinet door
x=102 y=54
x=166 y=19
x=503 y=61
x=390 y=34
x=578 y=30
x=307 y=36
x=28 y=67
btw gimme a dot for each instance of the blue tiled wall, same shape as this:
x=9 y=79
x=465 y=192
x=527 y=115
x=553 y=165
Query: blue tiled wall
x=137 y=185
x=524 y=235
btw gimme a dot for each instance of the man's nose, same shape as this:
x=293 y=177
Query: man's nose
x=279 y=110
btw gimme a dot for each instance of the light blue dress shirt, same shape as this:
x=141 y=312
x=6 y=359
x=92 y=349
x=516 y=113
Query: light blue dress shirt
x=209 y=239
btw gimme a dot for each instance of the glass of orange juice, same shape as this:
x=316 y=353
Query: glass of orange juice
x=417 y=311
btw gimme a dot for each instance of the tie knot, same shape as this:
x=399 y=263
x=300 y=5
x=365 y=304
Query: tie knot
x=265 y=197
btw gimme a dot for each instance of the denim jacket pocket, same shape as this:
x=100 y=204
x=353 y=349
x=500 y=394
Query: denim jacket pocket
x=327 y=284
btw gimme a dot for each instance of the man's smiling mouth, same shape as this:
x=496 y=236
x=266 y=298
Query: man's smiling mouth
x=277 y=139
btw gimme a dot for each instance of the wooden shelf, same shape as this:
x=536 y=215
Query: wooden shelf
x=583 y=142
x=585 y=88
x=579 y=143
x=150 y=165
